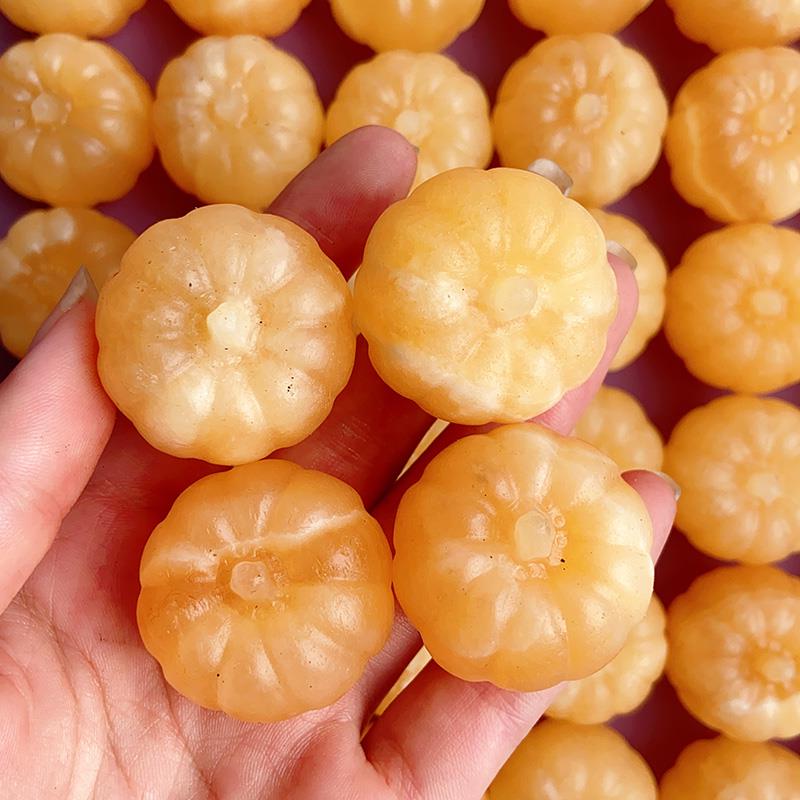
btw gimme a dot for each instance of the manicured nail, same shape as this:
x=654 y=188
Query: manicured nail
x=546 y=168
x=671 y=482
x=81 y=286
x=616 y=249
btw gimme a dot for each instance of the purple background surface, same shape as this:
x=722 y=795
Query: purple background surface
x=660 y=728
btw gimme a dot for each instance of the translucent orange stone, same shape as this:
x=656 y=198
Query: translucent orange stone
x=39 y=257
x=415 y=666
x=651 y=278
x=478 y=309
x=624 y=683
x=523 y=558
x=236 y=119
x=257 y=17
x=577 y=16
x=734 y=655
x=265 y=591
x=418 y=25
x=734 y=308
x=733 y=140
x=732 y=24
x=588 y=103
x=424 y=96
x=737 y=460
x=75 y=121
x=718 y=769
x=616 y=424
x=563 y=761
x=226 y=335
x=81 y=17
x=427 y=440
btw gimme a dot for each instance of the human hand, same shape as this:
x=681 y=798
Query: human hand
x=85 y=711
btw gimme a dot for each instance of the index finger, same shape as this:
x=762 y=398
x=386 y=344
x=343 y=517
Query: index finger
x=338 y=198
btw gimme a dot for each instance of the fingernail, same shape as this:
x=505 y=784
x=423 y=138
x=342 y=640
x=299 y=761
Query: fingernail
x=616 y=249
x=546 y=168
x=671 y=482
x=81 y=286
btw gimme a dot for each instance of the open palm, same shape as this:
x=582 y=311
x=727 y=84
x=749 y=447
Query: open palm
x=84 y=710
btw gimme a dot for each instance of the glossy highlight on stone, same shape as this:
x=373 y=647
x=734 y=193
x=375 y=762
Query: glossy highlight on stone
x=226 y=335
x=265 y=591
x=537 y=567
x=476 y=307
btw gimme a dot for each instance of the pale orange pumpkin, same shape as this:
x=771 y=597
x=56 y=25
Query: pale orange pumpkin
x=734 y=656
x=523 y=558
x=65 y=139
x=99 y=18
x=265 y=591
x=226 y=335
x=236 y=119
x=564 y=761
x=39 y=257
x=485 y=296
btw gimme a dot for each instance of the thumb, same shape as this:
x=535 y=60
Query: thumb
x=55 y=420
